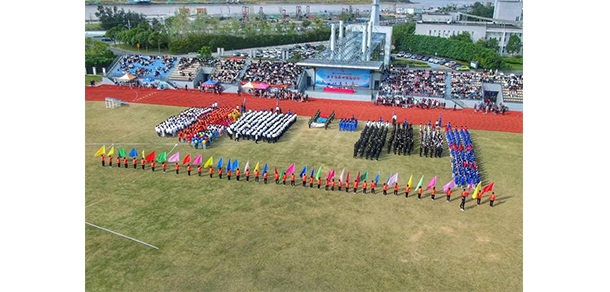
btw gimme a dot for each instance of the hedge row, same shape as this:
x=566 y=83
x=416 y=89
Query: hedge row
x=193 y=43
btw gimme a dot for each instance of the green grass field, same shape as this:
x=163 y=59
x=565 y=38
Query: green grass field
x=88 y=78
x=513 y=63
x=224 y=235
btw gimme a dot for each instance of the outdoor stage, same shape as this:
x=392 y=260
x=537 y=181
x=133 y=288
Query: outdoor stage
x=340 y=94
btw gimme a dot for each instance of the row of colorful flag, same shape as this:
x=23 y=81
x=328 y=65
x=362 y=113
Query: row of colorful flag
x=392 y=179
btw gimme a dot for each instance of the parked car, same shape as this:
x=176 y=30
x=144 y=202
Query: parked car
x=426 y=58
x=236 y=54
x=407 y=55
x=462 y=68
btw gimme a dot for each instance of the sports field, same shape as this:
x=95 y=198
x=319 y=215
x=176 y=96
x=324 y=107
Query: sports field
x=219 y=235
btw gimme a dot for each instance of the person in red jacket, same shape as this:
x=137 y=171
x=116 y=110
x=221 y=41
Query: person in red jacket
x=276 y=177
x=319 y=182
x=419 y=192
x=292 y=178
x=492 y=199
x=347 y=184
x=177 y=168
x=332 y=185
x=152 y=165
x=188 y=169
x=355 y=186
x=265 y=175
x=237 y=174
x=220 y=172
x=449 y=192
x=284 y=178
x=110 y=160
x=396 y=189
x=248 y=175
x=143 y=163
x=407 y=190
x=256 y=174
x=479 y=196
x=364 y=187
x=199 y=169
x=373 y=184
x=385 y=189
x=103 y=160
x=327 y=184
x=164 y=166
x=340 y=185
x=135 y=163
x=229 y=174
x=211 y=171
x=433 y=193
x=304 y=180
x=125 y=162
x=463 y=204
x=311 y=182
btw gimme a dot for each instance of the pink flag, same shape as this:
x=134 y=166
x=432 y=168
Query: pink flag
x=331 y=174
x=432 y=183
x=448 y=186
x=393 y=179
x=290 y=169
x=174 y=158
x=341 y=177
x=247 y=165
x=197 y=160
x=469 y=187
x=347 y=176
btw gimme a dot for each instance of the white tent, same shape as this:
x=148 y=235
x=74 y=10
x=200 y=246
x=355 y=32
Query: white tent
x=126 y=77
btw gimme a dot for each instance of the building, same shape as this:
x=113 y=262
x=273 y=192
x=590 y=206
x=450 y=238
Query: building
x=507 y=21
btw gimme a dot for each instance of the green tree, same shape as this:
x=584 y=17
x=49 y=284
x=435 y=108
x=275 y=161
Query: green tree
x=463 y=37
x=113 y=32
x=514 y=44
x=305 y=23
x=480 y=9
x=205 y=52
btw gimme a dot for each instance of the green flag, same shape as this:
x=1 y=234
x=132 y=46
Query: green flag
x=421 y=180
x=162 y=157
x=319 y=173
x=122 y=152
x=282 y=174
x=363 y=176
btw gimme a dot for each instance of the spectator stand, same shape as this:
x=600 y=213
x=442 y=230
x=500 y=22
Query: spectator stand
x=321 y=121
x=114 y=103
x=142 y=66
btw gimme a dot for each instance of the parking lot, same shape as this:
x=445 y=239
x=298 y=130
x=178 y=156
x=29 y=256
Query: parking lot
x=448 y=64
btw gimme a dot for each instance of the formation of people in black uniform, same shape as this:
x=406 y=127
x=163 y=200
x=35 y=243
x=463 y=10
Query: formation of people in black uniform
x=401 y=139
x=371 y=140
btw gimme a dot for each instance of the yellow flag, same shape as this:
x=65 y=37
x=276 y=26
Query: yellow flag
x=210 y=161
x=410 y=180
x=256 y=168
x=143 y=155
x=101 y=151
x=111 y=151
x=476 y=191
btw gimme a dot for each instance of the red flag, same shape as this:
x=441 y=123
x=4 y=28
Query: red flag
x=275 y=170
x=358 y=177
x=488 y=188
x=347 y=180
x=150 y=157
x=187 y=159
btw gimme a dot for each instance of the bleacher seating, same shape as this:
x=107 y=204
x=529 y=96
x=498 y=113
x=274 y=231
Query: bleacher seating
x=227 y=71
x=157 y=67
x=513 y=88
x=187 y=69
x=466 y=85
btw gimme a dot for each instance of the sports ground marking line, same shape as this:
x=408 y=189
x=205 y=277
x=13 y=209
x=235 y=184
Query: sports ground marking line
x=116 y=233
x=93 y=204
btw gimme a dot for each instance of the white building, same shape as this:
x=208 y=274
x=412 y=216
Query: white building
x=508 y=10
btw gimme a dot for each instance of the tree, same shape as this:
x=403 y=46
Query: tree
x=111 y=17
x=479 y=9
x=113 y=32
x=490 y=44
x=463 y=37
x=514 y=44
x=205 y=52
x=305 y=23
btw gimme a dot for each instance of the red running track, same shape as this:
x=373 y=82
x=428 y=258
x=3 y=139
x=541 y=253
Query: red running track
x=511 y=122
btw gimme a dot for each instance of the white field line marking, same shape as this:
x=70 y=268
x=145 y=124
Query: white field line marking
x=108 y=230
x=93 y=204
x=139 y=177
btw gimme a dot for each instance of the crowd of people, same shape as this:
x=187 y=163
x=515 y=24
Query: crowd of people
x=207 y=128
x=401 y=139
x=513 y=86
x=409 y=102
x=402 y=82
x=372 y=139
x=261 y=125
x=143 y=66
x=488 y=106
x=227 y=71
x=467 y=85
x=274 y=73
x=431 y=140
x=463 y=162
x=279 y=93
x=174 y=124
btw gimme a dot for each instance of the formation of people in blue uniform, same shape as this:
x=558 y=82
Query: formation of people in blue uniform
x=463 y=162
x=348 y=124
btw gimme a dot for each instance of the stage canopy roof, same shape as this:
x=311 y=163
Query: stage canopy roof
x=363 y=65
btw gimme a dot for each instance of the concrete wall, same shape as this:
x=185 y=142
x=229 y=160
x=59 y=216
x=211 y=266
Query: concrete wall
x=437 y=17
x=508 y=10
x=446 y=30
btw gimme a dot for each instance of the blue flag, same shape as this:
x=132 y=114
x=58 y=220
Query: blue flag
x=312 y=170
x=377 y=177
x=303 y=171
x=229 y=164
x=265 y=169
x=133 y=153
x=387 y=181
x=219 y=163
x=235 y=165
